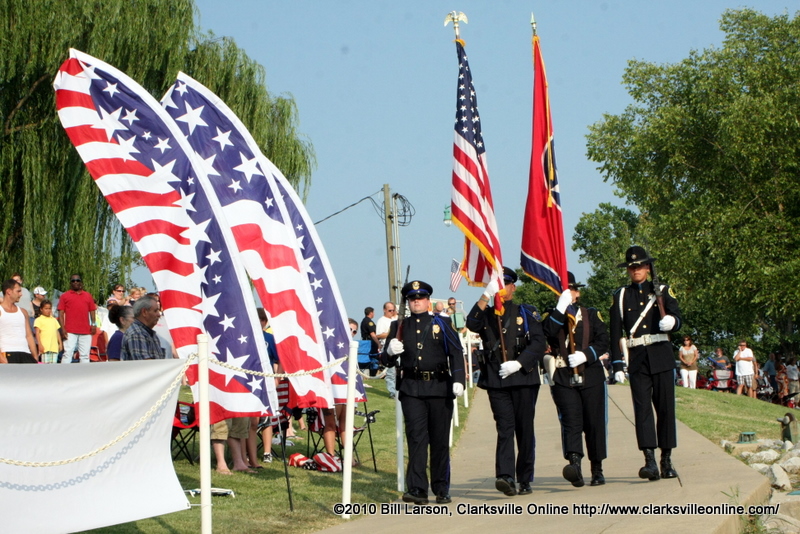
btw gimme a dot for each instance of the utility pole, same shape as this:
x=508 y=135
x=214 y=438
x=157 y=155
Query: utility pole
x=392 y=243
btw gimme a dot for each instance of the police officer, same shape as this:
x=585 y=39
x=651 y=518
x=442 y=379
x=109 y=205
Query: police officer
x=513 y=345
x=431 y=375
x=637 y=321
x=580 y=397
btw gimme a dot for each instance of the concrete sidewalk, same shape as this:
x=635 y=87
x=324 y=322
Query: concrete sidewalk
x=709 y=476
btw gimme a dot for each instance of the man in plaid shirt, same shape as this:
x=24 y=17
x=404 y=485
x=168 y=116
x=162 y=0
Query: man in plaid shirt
x=140 y=341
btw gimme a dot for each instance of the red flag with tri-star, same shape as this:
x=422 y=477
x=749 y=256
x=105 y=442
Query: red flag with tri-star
x=543 y=255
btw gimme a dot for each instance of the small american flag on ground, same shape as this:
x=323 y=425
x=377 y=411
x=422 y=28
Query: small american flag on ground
x=455 y=275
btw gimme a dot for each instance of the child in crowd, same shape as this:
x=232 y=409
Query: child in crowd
x=47 y=336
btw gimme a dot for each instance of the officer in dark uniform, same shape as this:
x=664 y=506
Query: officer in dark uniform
x=510 y=375
x=368 y=329
x=638 y=322
x=431 y=375
x=581 y=401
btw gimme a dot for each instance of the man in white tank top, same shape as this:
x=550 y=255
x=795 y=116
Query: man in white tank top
x=16 y=339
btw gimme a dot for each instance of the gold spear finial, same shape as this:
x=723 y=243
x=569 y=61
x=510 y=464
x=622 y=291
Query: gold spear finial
x=455 y=17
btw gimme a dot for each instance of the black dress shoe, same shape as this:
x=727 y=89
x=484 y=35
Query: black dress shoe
x=443 y=499
x=415 y=496
x=525 y=488
x=506 y=485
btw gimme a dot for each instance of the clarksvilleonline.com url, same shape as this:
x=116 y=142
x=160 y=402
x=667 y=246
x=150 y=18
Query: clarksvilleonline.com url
x=553 y=509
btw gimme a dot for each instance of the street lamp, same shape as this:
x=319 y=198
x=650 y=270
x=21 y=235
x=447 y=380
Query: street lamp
x=448 y=218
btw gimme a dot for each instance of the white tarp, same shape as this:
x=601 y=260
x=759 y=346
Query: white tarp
x=57 y=412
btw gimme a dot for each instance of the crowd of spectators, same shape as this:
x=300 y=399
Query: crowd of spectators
x=73 y=329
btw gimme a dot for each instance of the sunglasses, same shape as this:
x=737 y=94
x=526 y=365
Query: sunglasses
x=75 y=280
x=353 y=332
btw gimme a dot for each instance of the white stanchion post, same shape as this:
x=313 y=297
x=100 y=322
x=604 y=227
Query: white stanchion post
x=450 y=444
x=205 y=434
x=469 y=362
x=398 y=432
x=347 y=468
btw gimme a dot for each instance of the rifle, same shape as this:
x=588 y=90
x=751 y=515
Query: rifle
x=657 y=290
x=401 y=314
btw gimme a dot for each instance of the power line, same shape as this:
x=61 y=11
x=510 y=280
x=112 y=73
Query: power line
x=374 y=204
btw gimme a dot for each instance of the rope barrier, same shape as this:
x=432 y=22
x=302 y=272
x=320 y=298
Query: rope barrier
x=119 y=438
x=334 y=363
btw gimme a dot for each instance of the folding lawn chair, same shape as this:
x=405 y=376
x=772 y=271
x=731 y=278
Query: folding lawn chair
x=184 y=431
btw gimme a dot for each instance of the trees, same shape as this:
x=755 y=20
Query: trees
x=54 y=219
x=708 y=153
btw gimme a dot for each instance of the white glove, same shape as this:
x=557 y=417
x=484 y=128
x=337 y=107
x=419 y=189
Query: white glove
x=564 y=300
x=491 y=289
x=509 y=368
x=458 y=389
x=619 y=376
x=395 y=347
x=576 y=359
x=667 y=323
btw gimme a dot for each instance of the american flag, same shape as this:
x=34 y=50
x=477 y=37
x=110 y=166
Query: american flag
x=455 y=275
x=472 y=206
x=149 y=175
x=544 y=255
x=279 y=245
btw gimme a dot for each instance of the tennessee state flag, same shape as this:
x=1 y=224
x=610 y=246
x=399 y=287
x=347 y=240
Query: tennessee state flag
x=543 y=255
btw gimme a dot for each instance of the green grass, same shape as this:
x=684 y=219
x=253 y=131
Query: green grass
x=718 y=415
x=261 y=503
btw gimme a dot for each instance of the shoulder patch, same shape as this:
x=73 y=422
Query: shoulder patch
x=671 y=292
x=371 y=323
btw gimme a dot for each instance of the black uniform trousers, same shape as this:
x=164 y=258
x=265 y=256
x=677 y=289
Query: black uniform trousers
x=658 y=388
x=427 y=423
x=582 y=410
x=514 y=409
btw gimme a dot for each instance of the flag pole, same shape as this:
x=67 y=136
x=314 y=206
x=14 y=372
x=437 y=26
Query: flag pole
x=205 y=434
x=455 y=17
x=349 y=414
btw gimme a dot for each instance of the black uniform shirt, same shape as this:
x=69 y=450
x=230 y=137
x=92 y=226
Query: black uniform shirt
x=525 y=347
x=660 y=356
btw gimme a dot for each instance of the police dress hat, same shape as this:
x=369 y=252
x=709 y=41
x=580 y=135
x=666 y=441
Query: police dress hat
x=416 y=287
x=509 y=276
x=636 y=255
x=571 y=283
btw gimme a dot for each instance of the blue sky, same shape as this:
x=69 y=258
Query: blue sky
x=375 y=86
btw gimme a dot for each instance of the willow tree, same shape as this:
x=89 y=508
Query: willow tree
x=708 y=153
x=54 y=219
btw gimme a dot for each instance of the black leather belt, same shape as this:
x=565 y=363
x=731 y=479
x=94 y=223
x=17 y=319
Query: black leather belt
x=425 y=376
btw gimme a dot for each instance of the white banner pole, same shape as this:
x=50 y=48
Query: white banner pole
x=398 y=431
x=205 y=434
x=347 y=468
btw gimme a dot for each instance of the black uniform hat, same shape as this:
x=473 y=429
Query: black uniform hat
x=572 y=283
x=416 y=288
x=509 y=276
x=636 y=255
